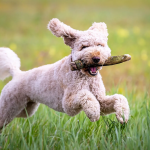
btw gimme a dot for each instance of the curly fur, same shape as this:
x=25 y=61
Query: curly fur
x=55 y=85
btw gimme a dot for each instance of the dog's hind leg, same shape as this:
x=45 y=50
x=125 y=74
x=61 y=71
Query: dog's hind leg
x=29 y=110
x=10 y=107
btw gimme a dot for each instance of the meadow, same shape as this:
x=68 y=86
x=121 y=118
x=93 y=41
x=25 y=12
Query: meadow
x=23 y=28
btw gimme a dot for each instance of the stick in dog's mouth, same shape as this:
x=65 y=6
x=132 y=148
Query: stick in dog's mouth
x=113 y=60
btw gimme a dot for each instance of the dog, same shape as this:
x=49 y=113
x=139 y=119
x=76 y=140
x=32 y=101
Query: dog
x=56 y=86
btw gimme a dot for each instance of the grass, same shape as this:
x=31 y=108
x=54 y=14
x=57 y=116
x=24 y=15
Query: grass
x=53 y=130
x=23 y=29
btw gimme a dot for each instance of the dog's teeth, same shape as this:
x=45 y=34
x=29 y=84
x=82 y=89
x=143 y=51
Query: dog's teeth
x=93 y=73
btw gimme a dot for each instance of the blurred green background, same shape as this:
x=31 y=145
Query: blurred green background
x=23 y=28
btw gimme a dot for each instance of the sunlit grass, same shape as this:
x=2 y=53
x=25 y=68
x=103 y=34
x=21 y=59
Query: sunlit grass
x=53 y=130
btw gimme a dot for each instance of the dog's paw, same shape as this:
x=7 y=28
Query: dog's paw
x=93 y=113
x=94 y=117
x=122 y=108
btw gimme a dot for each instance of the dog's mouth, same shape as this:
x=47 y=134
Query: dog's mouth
x=93 y=71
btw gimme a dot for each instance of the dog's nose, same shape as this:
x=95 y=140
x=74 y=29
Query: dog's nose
x=96 y=59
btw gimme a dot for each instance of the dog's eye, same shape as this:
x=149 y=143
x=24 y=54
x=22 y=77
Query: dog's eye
x=84 y=47
x=100 y=45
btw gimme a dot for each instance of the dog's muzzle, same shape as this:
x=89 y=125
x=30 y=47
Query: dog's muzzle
x=96 y=59
x=93 y=70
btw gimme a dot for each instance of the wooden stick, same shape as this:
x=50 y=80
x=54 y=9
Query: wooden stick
x=113 y=60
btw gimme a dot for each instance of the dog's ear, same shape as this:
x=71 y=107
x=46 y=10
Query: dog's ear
x=101 y=27
x=60 y=29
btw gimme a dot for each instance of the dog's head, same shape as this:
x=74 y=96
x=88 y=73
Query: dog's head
x=90 y=46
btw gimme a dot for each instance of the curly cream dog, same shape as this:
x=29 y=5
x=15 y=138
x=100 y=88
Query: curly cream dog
x=55 y=85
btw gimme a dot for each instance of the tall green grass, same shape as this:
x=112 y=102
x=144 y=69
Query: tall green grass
x=23 y=29
x=53 y=130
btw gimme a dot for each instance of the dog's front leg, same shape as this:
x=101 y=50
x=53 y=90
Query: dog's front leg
x=115 y=104
x=82 y=100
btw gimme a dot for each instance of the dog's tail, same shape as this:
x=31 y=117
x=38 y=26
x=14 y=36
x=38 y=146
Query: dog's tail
x=9 y=63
